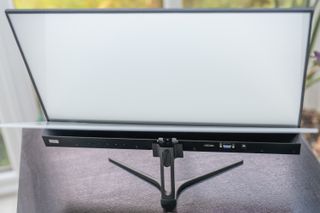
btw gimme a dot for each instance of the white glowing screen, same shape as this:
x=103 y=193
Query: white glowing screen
x=228 y=68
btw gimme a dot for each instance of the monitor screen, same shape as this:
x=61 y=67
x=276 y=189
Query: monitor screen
x=214 y=67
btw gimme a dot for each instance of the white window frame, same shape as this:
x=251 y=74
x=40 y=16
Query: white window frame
x=172 y=4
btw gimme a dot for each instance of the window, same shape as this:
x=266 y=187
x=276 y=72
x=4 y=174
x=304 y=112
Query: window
x=158 y=3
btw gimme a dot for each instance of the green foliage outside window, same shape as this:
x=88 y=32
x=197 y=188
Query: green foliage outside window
x=4 y=160
x=244 y=3
x=38 y=4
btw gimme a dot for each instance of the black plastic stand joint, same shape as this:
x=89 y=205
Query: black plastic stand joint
x=168 y=149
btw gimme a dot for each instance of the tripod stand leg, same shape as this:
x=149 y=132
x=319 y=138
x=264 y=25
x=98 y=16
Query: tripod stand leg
x=153 y=181
x=168 y=150
x=206 y=176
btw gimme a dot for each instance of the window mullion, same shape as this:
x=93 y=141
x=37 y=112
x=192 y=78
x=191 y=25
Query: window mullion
x=172 y=4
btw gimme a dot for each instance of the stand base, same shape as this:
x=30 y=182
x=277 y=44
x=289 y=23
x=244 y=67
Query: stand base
x=169 y=204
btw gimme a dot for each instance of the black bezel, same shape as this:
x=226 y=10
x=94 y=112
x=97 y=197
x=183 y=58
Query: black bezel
x=64 y=11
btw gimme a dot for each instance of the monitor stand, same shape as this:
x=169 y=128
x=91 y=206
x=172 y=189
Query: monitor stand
x=168 y=149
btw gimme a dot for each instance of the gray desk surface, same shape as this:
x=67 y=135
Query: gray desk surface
x=82 y=180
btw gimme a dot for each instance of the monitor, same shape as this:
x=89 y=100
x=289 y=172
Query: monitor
x=206 y=67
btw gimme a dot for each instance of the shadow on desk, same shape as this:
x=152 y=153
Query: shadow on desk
x=80 y=208
x=82 y=180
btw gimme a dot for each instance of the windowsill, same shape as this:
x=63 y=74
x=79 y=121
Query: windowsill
x=8 y=182
x=8 y=203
